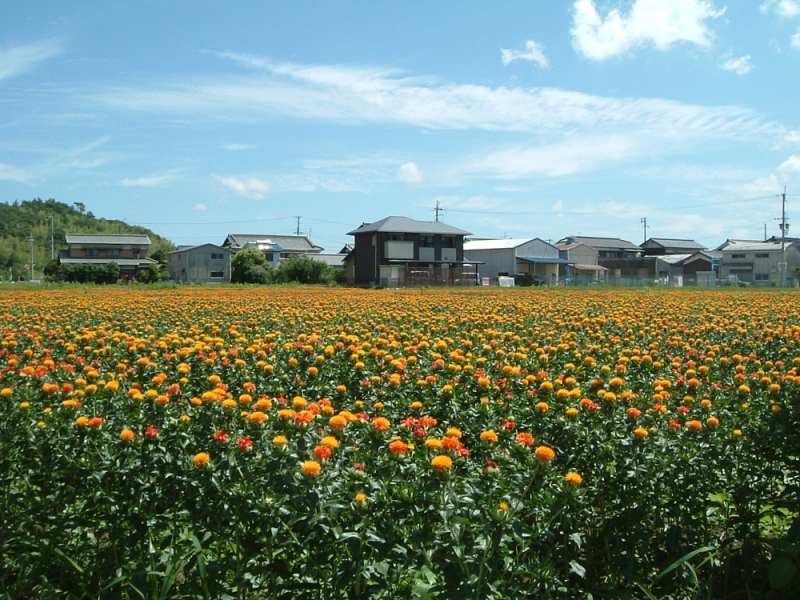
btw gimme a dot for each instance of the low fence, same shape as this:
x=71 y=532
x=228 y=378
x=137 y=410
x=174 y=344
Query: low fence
x=432 y=277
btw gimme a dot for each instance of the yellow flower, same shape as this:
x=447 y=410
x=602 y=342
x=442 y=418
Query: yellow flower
x=329 y=442
x=279 y=440
x=504 y=506
x=361 y=498
x=82 y=421
x=489 y=437
x=310 y=468
x=441 y=463
x=641 y=432
x=453 y=432
x=573 y=478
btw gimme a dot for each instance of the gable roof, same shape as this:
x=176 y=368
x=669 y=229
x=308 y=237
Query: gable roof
x=406 y=225
x=288 y=243
x=188 y=248
x=674 y=243
x=600 y=243
x=127 y=239
x=750 y=246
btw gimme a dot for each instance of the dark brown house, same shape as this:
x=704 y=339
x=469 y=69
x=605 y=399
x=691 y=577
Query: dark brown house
x=398 y=252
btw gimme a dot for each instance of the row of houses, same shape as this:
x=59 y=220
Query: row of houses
x=403 y=252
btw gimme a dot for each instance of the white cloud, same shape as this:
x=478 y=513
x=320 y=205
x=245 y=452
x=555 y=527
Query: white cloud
x=558 y=207
x=410 y=173
x=247 y=187
x=19 y=59
x=784 y=8
x=149 y=181
x=239 y=146
x=790 y=165
x=796 y=41
x=200 y=207
x=741 y=65
x=12 y=173
x=657 y=22
x=533 y=51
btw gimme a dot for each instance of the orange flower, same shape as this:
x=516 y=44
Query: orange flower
x=489 y=437
x=441 y=463
x=641 y=432
x=694 y=425
x=329 y=442
x=257 y=417
x=712 y=421
x=398 y=447
x=338 y=422
x=544 y=454
x=381 y=423
x=453 y=432
x=126 y=435
x=310 y=468
x=573 y=478
x=201 y=459
x=322 y=453
x=525 y=439
x=82 y=421
x=279 y=440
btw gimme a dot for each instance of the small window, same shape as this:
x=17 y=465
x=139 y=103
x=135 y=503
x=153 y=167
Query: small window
x=112 y=252
x=92 y=252
x=762 y=277
x=738 y=255
x=217 y=274
x=270 y=256
x=448 y=241
x=284 y=255
x=217 y=256
x=762 y=255
x=426 y=241
x=396 y=237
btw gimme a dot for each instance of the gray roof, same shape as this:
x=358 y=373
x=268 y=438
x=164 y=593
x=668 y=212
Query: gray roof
x=600 y=243
x=501 y=244
x=122 y=262
x=288 y=243
x=108 y=239
x=673 y=259
x=188 y=248
x=750 y=246
x=333 y=260
x=674 y=243
x=406 y=225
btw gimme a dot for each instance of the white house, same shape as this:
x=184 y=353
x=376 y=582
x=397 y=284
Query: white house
x=532 y=259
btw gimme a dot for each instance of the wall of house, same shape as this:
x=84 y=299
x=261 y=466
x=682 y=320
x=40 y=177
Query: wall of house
x=584 y=255
x=496 y=261
x=106 y=251
x=196 y=264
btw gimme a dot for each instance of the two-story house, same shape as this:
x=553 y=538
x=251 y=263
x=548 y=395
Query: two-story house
x=759 y=263
x=128 y=250
x=529 y=260
x=206 y=263
x=398 y=251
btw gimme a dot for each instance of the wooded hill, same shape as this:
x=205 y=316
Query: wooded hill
x=21 y=219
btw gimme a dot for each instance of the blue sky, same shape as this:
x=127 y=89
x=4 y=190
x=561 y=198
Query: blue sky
x=520 y=118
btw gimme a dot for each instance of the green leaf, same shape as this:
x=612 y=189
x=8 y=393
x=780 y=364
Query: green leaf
x=781 y=573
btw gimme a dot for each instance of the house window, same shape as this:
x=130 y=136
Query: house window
x=738 y=255
x=270 y=256
x=217 y=256
x=284 y=255
x=217 y=274
x=112 y=252
x=426 y=241
x=762 y=277
x=92 y=252
x=764 y=255
x=448 y=241
x=135 y=253
x=396 y=237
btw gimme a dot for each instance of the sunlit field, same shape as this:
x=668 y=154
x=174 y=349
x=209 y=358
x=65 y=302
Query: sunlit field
x=329 y=443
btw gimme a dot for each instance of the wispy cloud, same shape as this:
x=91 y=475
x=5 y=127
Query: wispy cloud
x=12 y=173
x=784 y=8
x=796 y=41
x=247 y=187
x=659 y=23
x=17 y=59
x=410 y=173
x=236 y=147
x=200 y=207
x=532 y=51
x=150 y=180
x=740 y=66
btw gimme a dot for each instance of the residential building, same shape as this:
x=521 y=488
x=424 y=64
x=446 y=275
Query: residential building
x=398 y=251
x=274 y=247
x=662 y=246
x=128 y=250
x=760 y=263
x=606 y=247
x=529 y=260
x=585 y=269
x=206 y=263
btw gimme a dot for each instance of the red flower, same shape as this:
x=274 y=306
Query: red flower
x=245 y=444
x=510 y=425
x=151 y=432
x=221 y=436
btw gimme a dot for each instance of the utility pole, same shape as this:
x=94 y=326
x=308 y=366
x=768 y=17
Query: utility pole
x=438 y=210
x=644 y=221
x=52 y=236
x=783 y=237
x=30 y=239
x=298 y=226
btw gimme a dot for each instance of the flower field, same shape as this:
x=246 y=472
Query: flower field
x=325 y=443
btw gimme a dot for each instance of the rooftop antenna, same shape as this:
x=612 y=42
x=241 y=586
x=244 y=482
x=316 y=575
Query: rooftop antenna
x=298 y=226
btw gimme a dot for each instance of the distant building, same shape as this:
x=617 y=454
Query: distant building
x=759 y=263
x=274 y=247
x=584 y=268
x=529 y=260
x=128 y=250
x=606 y=247
x=662 y=246
x=206 y=263
x=398 y=251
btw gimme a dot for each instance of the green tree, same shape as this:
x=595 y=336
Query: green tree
x=245 y=260
x=303 y=269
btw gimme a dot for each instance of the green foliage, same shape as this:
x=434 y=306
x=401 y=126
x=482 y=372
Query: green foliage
x=247 y=266
x=31 y=217
x=85 y=273
x=303 y=269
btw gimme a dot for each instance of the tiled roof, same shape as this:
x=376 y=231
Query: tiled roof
x=676 y=243
x=600 y=243
x=406 y=225
x=187 y=248
x=108 y=239
x=750 y=246
x=122 y=262
x=288 y=243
